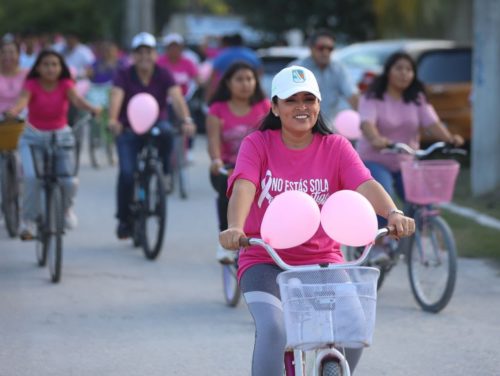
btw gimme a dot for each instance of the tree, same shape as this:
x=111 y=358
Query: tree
x=350 y=20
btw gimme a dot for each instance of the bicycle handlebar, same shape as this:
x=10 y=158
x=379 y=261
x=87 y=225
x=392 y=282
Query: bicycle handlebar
x=446 y=148
x=17 y=119
x=245 y=242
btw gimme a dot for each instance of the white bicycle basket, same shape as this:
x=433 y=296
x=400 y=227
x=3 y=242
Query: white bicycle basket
x=329 y=307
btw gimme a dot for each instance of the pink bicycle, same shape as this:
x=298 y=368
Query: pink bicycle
x=431 y=252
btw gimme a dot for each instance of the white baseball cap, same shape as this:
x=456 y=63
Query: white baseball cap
x=143 y=39
x=293 y=80
x=172 y=38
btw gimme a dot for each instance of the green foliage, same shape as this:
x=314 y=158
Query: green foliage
x=90 y=19
x=348 y=19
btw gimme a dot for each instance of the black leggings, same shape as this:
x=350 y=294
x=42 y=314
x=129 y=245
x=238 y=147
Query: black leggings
x=219 y=183
x=262 y=296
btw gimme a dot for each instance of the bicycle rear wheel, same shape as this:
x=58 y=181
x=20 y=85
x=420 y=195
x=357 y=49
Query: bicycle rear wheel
x=230 y=285
x=10 y=194
x=55 y=222
x=432 y=264
x=153 y=213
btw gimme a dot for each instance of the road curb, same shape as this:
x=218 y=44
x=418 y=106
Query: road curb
x=474 y=215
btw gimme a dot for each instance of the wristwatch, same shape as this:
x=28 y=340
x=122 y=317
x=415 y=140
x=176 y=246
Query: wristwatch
x=188 y=120
x=395 y=211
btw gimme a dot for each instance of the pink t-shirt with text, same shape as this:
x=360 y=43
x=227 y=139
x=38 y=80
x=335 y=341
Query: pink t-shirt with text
x=396 y=120
x=10 y=88
x=184 y=71
x=48 y=110
x=327 y=165
x=234 y=127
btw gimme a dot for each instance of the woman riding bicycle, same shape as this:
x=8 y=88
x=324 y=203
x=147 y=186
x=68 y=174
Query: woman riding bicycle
x=293 y=150
x=393 y=110
x=236 y=109
x=144 y=76
x=12 y=76
x=47 y=92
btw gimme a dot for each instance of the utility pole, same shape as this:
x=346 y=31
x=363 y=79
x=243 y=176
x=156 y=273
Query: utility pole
x=138 y=17
x=485 y=171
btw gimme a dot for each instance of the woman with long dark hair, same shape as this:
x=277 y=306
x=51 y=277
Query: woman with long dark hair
x=236 y=109
x=293 y=150
x=47 y=92
x=394 y=109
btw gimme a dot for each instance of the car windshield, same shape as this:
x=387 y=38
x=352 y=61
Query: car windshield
x=446 y=66
x=365 y=57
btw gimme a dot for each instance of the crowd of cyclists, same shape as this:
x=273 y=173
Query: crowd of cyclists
x=265 y=140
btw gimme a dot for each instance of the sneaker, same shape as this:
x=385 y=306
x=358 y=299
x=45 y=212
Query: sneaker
x=225 y=256
x=124 y=230
x=27 y=230
x=378 y=255
x=70 y=219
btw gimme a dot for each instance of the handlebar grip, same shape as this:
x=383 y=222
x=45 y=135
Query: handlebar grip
x=244 y=242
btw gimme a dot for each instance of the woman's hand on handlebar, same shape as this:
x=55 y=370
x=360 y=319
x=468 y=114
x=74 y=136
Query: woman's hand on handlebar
x=400 y=225
x=115 y=127
x=216 y=165
x=456 y=140
x=230 y=238
x=380 y=142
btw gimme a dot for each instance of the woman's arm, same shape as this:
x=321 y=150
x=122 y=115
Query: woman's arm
x=439 y=132
x=21 y=103
x=373 y=136
x=181 y=110
x=115 y=103
x=82 y=103
x=213 y=126
x=385 y=207
x=239 y=206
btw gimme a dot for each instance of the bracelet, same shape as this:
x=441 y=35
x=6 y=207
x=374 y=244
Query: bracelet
x=395 y=211
x=188 y=120
x=217 y=160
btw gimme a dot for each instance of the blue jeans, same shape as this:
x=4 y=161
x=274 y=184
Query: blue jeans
x=391 y=181
x=129 y=145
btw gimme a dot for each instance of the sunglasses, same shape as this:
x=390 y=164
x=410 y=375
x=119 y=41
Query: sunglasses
x=324 y=47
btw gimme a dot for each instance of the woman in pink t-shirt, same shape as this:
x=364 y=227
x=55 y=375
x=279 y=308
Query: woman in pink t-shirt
x=293 y=150
x=393 y=110
x=11 y=75
x=236 y=109
x=47 y=92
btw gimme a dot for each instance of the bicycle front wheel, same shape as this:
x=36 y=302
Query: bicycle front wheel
x=432 y=264
x=55 y=224
x=331 y=368
x=230 y=285
x=153 y=213
x=10 y=195
x=96 y=144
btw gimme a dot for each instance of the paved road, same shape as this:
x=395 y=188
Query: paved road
x=115 y=313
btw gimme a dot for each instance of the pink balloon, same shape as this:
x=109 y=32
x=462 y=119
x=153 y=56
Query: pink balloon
x=291 y=219
x=347 y=123
x=205 y=71
x=349 y=218
x=142 y=112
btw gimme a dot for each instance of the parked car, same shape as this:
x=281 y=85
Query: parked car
x=444 y=67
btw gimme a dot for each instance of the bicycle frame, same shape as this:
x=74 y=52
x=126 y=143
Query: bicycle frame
x=294 y=364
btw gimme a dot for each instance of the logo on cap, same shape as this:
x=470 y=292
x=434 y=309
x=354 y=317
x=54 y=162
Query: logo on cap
x=298 y=76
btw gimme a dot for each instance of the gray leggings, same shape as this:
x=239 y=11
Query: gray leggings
x=262 y=296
